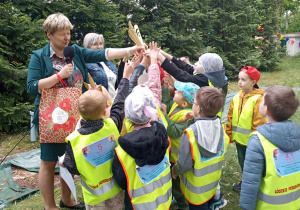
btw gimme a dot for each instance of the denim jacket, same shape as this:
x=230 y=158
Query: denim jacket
x=97 y=72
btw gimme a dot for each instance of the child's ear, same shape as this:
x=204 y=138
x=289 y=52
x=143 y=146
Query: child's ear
x=267 y=111
x=48 y=35
x=198 y=109
x=185 y=104
x=103 y=113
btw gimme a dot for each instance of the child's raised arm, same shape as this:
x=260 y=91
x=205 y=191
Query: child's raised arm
x=138 y=71
x=117 y=109
x=154 y=73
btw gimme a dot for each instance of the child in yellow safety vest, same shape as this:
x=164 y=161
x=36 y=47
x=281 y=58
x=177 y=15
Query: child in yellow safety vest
x=243 y=115
x=90 y=148
x=141 y=166
x=271 y=176
x=201 y=153
x=177 y=112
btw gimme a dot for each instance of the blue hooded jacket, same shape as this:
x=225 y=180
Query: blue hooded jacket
x=286 y=136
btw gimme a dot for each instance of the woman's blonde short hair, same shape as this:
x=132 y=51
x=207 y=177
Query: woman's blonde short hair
x=56 y=22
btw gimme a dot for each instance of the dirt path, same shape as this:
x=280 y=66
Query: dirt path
x=28 y=179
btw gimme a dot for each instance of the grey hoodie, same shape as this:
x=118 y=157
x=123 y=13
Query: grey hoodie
x=286 y=136
x=209 y=135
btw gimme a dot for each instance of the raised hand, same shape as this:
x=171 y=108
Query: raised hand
x=136 y=60
x=165 y=83
x=154 y=50
x=170 y=80
x=189 y=115
x=146 y=61
x=164 y=108
x=137 y=49
x=129 y=67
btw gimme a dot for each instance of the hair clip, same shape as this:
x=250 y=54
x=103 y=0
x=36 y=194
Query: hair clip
x=201 y=109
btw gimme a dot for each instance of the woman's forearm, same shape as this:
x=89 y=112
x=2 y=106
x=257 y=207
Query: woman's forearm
x=114 y=53
x=48 y=82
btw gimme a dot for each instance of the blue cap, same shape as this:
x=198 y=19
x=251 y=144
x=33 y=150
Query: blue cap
x=189 y=90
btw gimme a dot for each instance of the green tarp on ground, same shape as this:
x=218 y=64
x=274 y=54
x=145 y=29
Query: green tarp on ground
x=10 y=191
x=29 y=161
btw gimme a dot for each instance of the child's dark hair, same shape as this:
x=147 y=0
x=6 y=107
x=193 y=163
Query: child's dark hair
x=211 y=100
x=282 y=102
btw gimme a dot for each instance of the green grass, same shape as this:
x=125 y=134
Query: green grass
x=7 y=142
x=36 y=201
x=286 y=74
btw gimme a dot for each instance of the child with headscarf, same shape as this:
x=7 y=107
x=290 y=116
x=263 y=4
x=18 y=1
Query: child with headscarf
x=141 y=164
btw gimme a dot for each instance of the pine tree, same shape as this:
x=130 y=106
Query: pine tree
x=19 y=36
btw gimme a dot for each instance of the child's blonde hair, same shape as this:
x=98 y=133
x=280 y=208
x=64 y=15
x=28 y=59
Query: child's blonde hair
x=56 y=22
x=91 y=105
x=107 y=96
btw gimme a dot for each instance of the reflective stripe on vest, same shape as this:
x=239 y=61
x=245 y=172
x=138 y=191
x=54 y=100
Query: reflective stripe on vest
x=280 y=199
x=98 y=184
x=159 y=200
x=208 y=169
x=241 y=130
x=150 y=188
x=175 y=143
x=277 y=192
x=200 y=184
x=157 y=194
x=103 y=189
x=242 y=123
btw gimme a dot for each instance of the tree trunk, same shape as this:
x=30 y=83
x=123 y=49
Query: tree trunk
x=286 y=19
x=280 y=7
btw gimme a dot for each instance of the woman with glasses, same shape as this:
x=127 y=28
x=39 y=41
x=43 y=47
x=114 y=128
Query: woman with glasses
x=103 y=73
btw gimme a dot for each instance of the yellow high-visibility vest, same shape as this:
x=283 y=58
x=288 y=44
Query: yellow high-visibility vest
x=175 y=143
x=200 y=184
x=242 y=125
x=279 y=192
x=97 y=182
x=156 y=194
x=220 y=113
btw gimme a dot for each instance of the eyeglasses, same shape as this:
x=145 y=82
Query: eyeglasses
x=201 y=109
x=98 y=44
